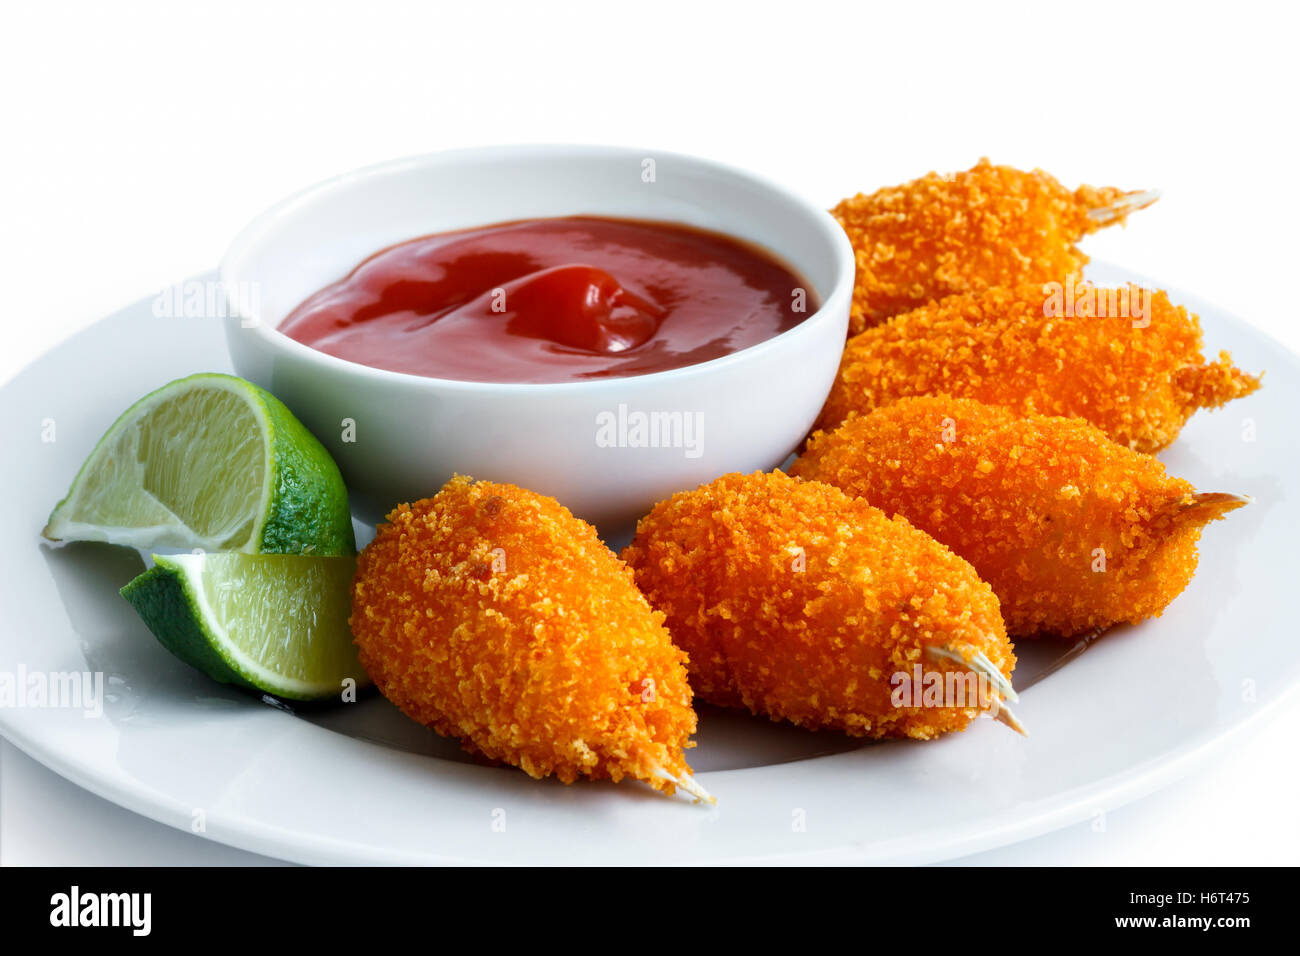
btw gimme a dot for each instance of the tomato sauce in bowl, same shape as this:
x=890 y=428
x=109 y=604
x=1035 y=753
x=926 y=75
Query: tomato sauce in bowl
x=554 y=300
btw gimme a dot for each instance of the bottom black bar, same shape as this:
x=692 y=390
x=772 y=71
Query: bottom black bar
x=300 y=906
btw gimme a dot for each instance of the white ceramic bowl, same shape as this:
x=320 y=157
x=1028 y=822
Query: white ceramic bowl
x=398 y=437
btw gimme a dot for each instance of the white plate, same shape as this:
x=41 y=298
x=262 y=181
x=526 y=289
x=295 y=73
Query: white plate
x=361 y=784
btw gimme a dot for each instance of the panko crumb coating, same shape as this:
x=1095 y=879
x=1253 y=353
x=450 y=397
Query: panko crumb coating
x=946 y=235
x=799 y=602
x=1138 y=384
x=1073 y=531
x=492 y=614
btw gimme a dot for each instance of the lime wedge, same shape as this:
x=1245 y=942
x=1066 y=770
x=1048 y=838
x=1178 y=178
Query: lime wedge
x=213 y=462
x=275 y=623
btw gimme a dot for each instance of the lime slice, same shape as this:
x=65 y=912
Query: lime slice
x=213 y=462
x=275 y=623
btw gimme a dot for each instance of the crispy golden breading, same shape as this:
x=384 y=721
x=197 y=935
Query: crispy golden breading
x=945 y=235
x=801 y=603
x=1072 y=531
x=492 y=614
x=1138 y=384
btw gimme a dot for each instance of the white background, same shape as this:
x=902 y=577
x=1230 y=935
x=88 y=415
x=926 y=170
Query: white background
x=136 y=139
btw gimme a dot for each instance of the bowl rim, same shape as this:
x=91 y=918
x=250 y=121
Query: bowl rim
x=258 y=228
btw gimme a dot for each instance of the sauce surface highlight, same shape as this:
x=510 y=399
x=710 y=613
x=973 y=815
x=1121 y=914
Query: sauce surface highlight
x=554 y=300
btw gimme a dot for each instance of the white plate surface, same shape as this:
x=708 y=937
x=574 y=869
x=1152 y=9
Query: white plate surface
x=361 y=784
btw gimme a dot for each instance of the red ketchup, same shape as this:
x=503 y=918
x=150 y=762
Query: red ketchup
x=554 y=300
